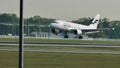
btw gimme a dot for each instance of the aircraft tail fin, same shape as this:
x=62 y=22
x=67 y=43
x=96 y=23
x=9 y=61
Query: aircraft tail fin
x=95 y=22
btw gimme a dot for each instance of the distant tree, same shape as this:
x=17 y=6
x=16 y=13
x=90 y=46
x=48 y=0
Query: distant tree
x=116 y=32
x=5 y=18
x=8 y=23
x=37 y=21
x=32 y=24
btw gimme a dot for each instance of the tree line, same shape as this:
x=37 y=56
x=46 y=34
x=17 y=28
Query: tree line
x=9 y=23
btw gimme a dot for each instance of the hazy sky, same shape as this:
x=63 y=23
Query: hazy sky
x=64 y=9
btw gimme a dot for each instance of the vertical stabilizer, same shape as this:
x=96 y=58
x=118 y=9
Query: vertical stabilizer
x=95 y=22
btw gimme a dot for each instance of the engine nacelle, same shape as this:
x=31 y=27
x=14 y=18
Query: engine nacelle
x=55 y=31
x=76 y=31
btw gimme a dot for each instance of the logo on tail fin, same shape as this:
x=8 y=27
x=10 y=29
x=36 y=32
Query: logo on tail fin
x=96 y=19
x=95 y=22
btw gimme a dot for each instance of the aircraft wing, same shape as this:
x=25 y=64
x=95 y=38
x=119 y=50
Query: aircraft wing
x=99 y=29
x=89 y=31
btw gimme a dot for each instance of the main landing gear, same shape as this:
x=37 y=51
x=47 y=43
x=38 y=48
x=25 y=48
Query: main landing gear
x=80 y=37
x=66 y=35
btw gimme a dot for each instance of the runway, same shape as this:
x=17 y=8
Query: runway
x=59 y=44
x=64 y=51
x=61 y=50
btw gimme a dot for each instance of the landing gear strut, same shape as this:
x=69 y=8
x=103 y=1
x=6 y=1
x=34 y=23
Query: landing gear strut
x=65 y=36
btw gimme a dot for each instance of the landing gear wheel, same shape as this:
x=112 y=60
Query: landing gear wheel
x=66 y=36
x=80 y=37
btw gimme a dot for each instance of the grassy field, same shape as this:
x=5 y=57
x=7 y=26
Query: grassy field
x=70 y=41
x=9 y=59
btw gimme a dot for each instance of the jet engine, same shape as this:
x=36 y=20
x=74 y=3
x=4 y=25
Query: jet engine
x=76 y=31
x=55 y=31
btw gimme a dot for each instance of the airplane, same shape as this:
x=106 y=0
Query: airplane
x=59 y=26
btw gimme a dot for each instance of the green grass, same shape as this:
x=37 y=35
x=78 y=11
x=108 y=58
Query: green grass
x=8 y=39
x=74 y=48
x=77 y=41
x=9 y=59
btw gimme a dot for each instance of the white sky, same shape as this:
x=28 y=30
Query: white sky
x=64 y=9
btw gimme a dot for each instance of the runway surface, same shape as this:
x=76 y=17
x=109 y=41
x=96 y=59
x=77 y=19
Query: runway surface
x=59 y=44
x=61 y=50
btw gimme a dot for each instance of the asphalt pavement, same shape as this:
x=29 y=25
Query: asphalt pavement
x=60 y=50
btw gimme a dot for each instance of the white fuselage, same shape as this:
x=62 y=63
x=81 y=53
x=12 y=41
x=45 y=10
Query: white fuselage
x=63 y=25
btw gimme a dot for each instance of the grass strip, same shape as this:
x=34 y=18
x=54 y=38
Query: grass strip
x=9 y=59
x=66 y=48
